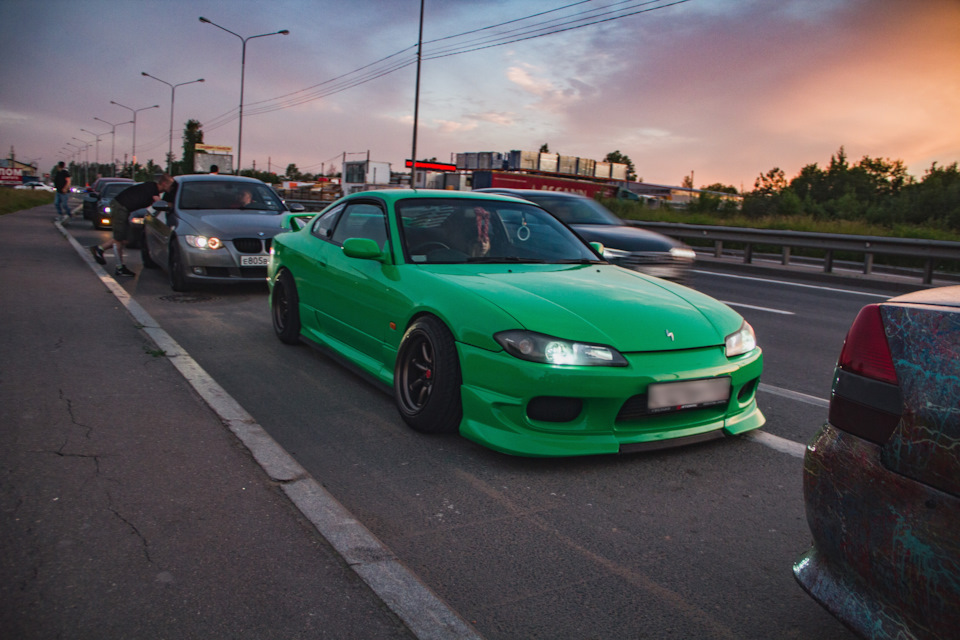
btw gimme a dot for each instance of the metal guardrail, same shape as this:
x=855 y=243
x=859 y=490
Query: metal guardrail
x=927 y=251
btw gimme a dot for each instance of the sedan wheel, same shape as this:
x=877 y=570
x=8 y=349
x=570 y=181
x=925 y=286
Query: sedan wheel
x=285 y=305
x=426 y=379
x=178 y=273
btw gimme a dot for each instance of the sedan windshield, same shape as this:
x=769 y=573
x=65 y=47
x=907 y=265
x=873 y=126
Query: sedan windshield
x=464 y=230
x=224 y=194
x=575 y=210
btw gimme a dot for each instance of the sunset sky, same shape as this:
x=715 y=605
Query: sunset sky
x=723 y=89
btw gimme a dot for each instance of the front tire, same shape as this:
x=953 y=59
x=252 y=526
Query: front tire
x=178 y=271
x=285 y=308
x=148 y=262
x=427 y=379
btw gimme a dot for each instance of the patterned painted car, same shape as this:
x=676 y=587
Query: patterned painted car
x=882 y=477
x=489 y=317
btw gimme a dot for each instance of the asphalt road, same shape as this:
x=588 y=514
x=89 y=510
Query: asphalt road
x=686 y=543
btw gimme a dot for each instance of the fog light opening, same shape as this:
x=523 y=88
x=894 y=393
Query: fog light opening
x=554 y=409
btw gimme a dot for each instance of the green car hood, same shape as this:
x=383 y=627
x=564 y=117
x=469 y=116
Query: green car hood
x=602 y=304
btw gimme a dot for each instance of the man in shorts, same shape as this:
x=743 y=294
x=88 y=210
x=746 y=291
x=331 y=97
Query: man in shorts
x=139 y=196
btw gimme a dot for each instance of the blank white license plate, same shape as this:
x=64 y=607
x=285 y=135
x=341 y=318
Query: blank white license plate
x=688 y=394
x=254 y=261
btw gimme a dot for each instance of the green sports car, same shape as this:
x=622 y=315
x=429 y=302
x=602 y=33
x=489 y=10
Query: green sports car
x=488 y=316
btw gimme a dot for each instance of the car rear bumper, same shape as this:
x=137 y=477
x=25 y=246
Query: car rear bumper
x=886 y=554
x=530 y=409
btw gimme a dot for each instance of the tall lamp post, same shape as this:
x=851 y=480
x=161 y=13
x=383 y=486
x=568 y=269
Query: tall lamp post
x=243 y=65
x=86 y=163
x=133 y=165
x=113 y=140
x=97 y=153
x=173 y=90
x=77 y=152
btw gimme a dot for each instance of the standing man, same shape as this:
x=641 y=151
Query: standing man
x=61 y=201
x=139 y=196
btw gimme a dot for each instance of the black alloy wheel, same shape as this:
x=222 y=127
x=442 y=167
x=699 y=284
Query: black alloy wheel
x=426 y=378
x=285 y=307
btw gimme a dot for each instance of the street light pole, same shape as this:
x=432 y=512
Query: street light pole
x=97 y=136
x=78 y=149
x=173 y=90
x=113 y=140
x=86 y=163
x=243 y=66
x=133 y=153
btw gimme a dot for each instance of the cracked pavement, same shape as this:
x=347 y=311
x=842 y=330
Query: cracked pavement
x=127 y=509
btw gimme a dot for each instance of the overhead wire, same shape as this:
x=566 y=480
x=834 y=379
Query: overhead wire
x=398 y=60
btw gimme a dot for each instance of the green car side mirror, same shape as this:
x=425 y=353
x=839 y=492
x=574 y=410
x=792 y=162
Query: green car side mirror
x=363 y=248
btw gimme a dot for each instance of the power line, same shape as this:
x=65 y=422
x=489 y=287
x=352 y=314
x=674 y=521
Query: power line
x=388 y=64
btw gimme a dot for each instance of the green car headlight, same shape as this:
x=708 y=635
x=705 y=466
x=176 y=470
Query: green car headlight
x=203 y=242
x=741 y=341
x=537 y=347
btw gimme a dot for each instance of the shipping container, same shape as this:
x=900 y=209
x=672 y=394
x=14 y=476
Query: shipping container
x=602 y=170
x=567 y=164
x=524 y=160
x=618 y=171
x=586 y=167
x=548 y=162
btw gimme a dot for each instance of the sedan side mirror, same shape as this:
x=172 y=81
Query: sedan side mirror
x=161 y=205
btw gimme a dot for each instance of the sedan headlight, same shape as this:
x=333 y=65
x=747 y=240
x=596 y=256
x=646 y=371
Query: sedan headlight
x=683 y=253
x=203 y=242
x=743 y=341
x=537 y=347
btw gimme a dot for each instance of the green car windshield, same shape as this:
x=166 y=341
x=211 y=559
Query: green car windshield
x=222 y=195
x=445 y=231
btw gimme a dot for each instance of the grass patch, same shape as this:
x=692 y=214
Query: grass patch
x=12 y=200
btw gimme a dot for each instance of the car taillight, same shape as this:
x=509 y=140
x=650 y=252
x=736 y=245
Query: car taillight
x=865 y=351
x=866 y=397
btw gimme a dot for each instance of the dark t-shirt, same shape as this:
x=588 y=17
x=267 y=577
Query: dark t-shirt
x=60 y=180
x=139 y=196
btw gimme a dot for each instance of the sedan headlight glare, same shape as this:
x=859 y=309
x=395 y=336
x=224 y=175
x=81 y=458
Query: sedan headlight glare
x=614 y=254
x=537 y=347
x=203 y=242
x=742 y=341
x=683 y=253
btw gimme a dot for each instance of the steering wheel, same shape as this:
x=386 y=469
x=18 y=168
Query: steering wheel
x=432 y=245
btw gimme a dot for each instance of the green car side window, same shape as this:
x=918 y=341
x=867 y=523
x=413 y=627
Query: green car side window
x=361 y=220
x=323 y=225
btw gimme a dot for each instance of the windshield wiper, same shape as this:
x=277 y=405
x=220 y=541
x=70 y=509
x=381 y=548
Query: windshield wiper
x=506 y=259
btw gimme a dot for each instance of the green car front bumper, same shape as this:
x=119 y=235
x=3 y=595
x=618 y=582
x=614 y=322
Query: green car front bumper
x=530 y=409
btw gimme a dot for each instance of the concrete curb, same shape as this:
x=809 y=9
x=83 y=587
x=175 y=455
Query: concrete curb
x=424 y=613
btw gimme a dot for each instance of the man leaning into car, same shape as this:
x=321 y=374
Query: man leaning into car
x=139 y=196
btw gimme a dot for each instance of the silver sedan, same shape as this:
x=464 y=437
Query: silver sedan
x=216 y=229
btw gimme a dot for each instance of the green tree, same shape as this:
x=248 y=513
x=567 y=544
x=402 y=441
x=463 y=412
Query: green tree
x=721 y=188
x=192 y=136
x=292 y=173
x=544 y=148
x=771 y=183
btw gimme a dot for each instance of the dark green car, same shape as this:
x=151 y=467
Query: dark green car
x=489 y=317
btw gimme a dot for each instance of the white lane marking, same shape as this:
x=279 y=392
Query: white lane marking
x=783 y=445
x=794 y=395
x=750 y=306
x=777 y=443
x=425 y=614
x=793 y=284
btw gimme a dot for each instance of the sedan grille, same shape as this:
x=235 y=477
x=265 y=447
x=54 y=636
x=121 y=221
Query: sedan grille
x=251 y=245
